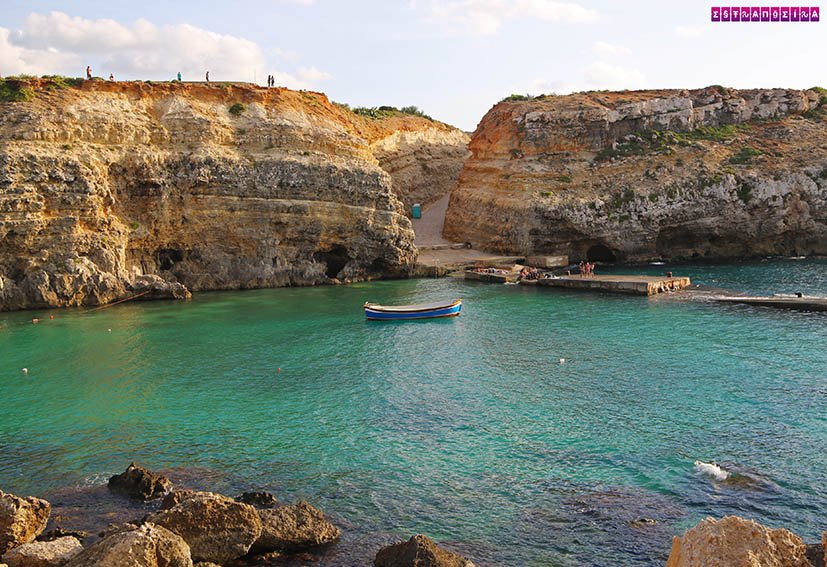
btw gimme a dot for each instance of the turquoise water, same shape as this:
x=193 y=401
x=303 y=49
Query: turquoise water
x=469 y=430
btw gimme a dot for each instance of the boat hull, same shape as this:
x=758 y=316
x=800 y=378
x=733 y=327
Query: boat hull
x=380 y=313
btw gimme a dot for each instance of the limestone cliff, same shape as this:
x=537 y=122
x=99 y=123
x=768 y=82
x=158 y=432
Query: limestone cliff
x=108 y=189
x=629 y=176
x=424 y=163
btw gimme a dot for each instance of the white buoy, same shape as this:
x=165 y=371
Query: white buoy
x=25 y=371
x=562 y=361
x=110 y=330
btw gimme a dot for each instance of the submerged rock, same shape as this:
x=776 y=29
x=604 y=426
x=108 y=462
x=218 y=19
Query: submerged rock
x=21 y=519
x=419 y=551
x=147 y=546
x=736 y=541
x=258 y=499
x=138 y=482
x=216 y=528
x=294 y=527
x=52 y=553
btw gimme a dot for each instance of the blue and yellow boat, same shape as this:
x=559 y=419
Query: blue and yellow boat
x=375 y=312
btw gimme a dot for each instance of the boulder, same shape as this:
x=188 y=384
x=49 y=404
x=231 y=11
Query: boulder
x=216 y=528
x=138 y=482
x=146 y=546
x=59 y=532
x=21 y=519
x=258 y=499
x=294 y=527
x=52 y=553
x=419 y=551
x=175 y=497
x=736 y=541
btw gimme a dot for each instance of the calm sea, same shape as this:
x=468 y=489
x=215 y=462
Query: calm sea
x=470 y=430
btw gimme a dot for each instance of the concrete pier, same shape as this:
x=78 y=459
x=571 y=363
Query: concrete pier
x=795 y=303
x=635 y=285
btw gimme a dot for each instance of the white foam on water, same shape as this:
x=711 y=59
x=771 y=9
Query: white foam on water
x=711 y=469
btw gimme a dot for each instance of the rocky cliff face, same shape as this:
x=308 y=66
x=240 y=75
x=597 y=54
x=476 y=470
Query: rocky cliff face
x=425 y=163
x=631 y=176
x=110 y=189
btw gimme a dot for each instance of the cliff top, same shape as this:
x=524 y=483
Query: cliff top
x=616 y=99
x=317 y=104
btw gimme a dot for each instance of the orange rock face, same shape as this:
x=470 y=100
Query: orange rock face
x=110 y=189
x=709 y=173
x=735 y=542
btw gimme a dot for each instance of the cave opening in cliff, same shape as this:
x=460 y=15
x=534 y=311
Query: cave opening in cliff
x=335 y=259
x=601 y=253
x=168 y=257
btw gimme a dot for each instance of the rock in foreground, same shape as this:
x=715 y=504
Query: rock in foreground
x=140 y=483
x=294 y=527
x=734 y=541
x=52 y=553
x=146 y=546
x=258 y=499
x=419 y=551
x=21 y=519
x=216 y=528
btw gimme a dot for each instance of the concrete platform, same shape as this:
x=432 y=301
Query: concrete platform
x=794 y=303
x=635 y=285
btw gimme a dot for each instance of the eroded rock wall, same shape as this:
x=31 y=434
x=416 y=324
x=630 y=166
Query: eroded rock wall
x=425 y=164
x=106 y=187
x=632 y=176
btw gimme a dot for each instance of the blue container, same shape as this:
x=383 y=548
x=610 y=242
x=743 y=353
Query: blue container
x=416 y=211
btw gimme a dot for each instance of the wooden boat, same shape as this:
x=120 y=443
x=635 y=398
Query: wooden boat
x=375 y=312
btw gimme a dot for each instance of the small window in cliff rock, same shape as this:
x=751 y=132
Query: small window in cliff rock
x=600 y=253
x=167 y=257
x=335 y=259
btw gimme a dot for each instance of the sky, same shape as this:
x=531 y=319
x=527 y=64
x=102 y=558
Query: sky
x=452 y=58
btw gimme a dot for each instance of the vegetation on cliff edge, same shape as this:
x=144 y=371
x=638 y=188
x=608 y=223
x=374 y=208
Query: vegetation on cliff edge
x=15 y=90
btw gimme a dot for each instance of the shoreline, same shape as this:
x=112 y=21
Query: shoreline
x=93 y=513
x=604 y=268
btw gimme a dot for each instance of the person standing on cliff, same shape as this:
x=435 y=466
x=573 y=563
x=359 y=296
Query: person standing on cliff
x=111 y=77
x=208 y=76
x=179 y=76
x=88 y=73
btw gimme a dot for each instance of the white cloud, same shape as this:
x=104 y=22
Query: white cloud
x=689 y=32
x=606 y=49
x=602 y=75
x=599 y=75
x=57 y=43
x=484 y=17
x=311 y=75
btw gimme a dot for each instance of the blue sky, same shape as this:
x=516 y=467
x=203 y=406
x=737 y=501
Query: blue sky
x=452 y=58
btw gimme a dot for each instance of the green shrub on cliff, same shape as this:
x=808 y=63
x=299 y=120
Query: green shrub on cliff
x=14 y=90
x=238 y=109
x=61 y=82
x=744 y=156
x=712 y=133
x=380 y=112
x=517 y=98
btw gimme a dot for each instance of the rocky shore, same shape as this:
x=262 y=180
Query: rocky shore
x=189 y=527
x=186 y=527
